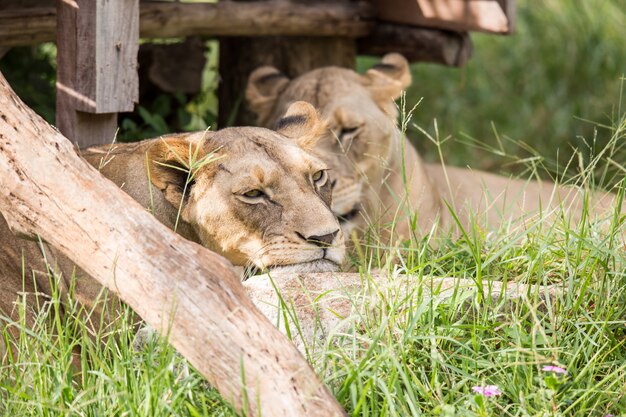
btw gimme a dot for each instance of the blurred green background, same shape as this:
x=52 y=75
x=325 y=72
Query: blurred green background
x=548 y=86
x=552 y=87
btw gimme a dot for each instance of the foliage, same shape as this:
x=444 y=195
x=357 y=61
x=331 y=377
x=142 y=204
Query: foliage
x=170 y=113
x=77 y=372
x=31 y=72
x=539 y=86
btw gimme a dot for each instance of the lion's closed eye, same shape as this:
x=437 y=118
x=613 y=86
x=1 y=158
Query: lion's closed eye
x=252 y=196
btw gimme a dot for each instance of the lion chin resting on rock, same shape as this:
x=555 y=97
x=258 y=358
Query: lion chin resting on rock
x=255 y=196
x=378 y=179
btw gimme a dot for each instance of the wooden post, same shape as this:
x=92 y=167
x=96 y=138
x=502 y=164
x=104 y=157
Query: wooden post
x=175 y=285
x=97 y=42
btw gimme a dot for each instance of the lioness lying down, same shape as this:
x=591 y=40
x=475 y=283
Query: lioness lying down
x=255 y=196
x=378 y=179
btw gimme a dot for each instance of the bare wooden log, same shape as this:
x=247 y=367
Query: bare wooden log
x=418 y=44
x=173 y=284
x=27 y=26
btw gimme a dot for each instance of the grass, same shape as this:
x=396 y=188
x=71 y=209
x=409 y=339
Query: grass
x=518 y=100
x=414 y=354
x=411 y=352
x=114 y=379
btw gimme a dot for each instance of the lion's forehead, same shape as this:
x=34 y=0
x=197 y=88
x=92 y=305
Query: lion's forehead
x=321 y=86
x=270 y=159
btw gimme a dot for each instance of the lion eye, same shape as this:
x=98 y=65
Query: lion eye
x=319 y=178
x=253 y=194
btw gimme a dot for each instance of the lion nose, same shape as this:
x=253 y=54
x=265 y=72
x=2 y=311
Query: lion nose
x=321 y=240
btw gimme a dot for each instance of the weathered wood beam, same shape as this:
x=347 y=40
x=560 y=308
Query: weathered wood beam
x=279 y=18
x=337 y=19
x=96 y=69
x=24 y=4
x=176 y=286
x=26 y=26
x=418 y=44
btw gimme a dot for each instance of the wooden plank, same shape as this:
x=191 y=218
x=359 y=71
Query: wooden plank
x=24 y=4
x=418 y=44
x=511 y=13
x=27 y=26
x=493 y=16
x=106 y=58
x=176 y=286
x=99 y=78
x=162 y=20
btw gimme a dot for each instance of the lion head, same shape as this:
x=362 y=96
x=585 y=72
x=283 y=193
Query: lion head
x=362 y=138
x=257 y=197
x=262 y=200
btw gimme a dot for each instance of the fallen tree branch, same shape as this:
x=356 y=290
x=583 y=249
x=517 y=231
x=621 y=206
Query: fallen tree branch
x=175 y=285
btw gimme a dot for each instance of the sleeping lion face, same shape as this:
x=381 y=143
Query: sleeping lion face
x=258 y=198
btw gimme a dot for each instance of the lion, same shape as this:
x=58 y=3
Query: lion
x=255 y=196
x=380 y=179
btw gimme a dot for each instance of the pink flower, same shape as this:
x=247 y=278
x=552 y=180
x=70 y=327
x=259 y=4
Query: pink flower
x=487 y=391
x=555 y=369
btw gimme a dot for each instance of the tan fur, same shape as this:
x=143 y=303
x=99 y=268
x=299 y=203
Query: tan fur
x=366 y=154
x=291 y=227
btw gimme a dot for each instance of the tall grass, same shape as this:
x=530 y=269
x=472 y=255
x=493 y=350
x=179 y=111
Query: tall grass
x=416 y=353
x=65 y=367
x=413 y=352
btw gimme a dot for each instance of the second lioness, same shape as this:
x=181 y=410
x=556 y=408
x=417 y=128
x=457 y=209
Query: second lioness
x=253 y=195
x=379 y=179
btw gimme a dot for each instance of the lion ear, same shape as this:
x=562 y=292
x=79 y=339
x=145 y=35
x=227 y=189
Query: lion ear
x=387 y=79
x=265 y=84
x=302 y=124
x=170 y=161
